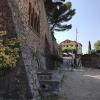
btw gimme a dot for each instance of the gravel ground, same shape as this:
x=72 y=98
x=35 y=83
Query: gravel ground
x=81 y=85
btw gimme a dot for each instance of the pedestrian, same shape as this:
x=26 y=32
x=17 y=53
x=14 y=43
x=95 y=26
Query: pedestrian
x=72 y=66
x=74 y=63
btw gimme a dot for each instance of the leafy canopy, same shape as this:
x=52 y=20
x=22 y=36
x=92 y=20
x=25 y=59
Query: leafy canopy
x=97 y=45
x=59 y=13
x=69 y=50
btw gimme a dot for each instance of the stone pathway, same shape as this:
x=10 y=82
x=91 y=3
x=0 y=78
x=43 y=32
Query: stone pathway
x=81 y=85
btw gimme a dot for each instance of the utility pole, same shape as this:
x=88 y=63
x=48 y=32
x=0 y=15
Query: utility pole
x=75 y=61
x=76 y=40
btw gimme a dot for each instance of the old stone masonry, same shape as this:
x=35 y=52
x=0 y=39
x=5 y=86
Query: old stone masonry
x=26 y=19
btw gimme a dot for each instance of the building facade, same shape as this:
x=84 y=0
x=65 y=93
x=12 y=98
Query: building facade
x=25 y=19
x=69 y=44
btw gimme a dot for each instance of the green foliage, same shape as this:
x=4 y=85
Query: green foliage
x=97 y=46
x=56 y=60
x=92 y=51
x=58 y=14
x=89 y=52
x=67 y=50
x=98 y=51
x=9 y=53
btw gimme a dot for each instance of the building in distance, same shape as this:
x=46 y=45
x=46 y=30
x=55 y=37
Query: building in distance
x=69 y=45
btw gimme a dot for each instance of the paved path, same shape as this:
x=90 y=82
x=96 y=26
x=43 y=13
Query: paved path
x=81 y=85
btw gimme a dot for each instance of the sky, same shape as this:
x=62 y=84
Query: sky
x=87 y=21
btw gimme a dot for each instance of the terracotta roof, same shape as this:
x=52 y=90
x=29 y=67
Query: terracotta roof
x=69 y=41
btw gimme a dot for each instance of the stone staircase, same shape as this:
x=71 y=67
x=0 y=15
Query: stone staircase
x=50 y=82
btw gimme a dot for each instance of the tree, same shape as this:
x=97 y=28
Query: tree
x=97 y=46
x=59 y=13
x=69 y=50
x=89 y=48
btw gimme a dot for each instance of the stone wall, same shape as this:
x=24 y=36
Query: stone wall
x=6 y=22
x=14 y=85
x=29 y=46
x=22 y=83
x=92 y=61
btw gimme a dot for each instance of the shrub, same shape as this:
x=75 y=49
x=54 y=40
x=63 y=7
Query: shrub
x=9 y=54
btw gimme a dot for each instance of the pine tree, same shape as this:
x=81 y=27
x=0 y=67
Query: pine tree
x=89 y=48
x=59 y=13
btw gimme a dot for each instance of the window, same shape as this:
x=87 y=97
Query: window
x=71 y=45
x=37 y=23
x=33 y=17
x=34 y=20
x=68 y=41
x=76 y=45
x=30 y=7
x=66 y=45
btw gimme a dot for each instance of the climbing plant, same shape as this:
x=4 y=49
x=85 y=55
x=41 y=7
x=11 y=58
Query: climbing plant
x=9 y=53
